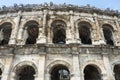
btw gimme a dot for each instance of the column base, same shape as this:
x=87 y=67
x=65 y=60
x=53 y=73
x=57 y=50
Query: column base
x=20 y=42
x=98 y=42
x=69 y=41
x=75 y=78
x=41 y=40
x=12 y=41
x=117 y=43
x=102 y=42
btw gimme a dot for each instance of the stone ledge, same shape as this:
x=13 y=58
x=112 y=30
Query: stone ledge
x=58 y=7
x=60 y=49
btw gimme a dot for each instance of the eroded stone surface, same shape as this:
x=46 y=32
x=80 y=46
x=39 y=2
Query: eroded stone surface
x=68 y=53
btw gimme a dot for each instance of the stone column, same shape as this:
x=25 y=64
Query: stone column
x=96 y=32
x=76 y=35
x=7 y=67
x=77 y=38
x=25 y=35
x=42 y=36
x=70 y=30
x=117 y=33
x=15 y=29
x=49 y=36
x=75 y=75
x=22 y=35
x=68 y=36
x=19 y=38
x=102 y=40
x=108 y=67
x=41 y=67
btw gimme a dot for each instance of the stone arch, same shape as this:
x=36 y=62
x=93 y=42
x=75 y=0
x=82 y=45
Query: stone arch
x=108 y=23
x=116 y=69
x=31 y=19
x=2 y=66
x=85 y=29
x=31 y=32
x=5 y=32
x=58 y=28
x=92 y=72
x=57 y=62
x=22 y=64
x=97 y=65
x=55 y=67
x=108 y=33
x=8 y=20
x=59 y=72
x=115 y=62
x=110 y=26
x=1 y=70
x=55 y=19
x=84 y=20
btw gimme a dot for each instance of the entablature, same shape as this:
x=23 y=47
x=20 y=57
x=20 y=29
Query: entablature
x=58 y=49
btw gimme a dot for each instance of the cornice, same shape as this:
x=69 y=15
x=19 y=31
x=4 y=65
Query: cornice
x=58 y=7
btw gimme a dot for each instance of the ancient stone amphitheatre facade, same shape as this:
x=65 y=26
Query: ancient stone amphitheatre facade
x=59 y=42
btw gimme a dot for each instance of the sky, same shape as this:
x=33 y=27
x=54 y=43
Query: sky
x=103 y=4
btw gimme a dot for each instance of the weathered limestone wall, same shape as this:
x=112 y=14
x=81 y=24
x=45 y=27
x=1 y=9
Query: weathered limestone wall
x=44 y=55
x=46 y=17
x=43 y=60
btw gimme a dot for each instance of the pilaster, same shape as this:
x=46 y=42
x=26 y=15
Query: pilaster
x=7 y=67
x=42 y=36
x=15 y=29
x=41 y=67
x=76 y=67
x=19 y=38
x=77 y=38
x=70 y=29
x=108 y=67
x=117 y=33
x=49 y=36
x=97 y=38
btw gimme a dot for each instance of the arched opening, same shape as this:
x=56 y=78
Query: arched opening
x=91 y=73
x=59 y=32
x=108 y=31
x=60 y=72
x=5 y=33
x=31 y=31
x=117 y=72
x=85 y=32
x=0 y=74
x=25 y=72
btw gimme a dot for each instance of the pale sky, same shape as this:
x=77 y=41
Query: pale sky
x=103 y=4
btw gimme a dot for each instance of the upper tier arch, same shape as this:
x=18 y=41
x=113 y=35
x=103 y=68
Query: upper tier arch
x=84 y=20
x=7 y=21
x=37 y=21
x=111 y=24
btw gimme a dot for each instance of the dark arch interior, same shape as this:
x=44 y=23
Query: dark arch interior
x=5 y=33
x=26 y=73
x=84 y=32
x=117 y=72
x=91 y=73
x=60 y=72
x=59 y=32
x=33 y=30
x=107 y=31
x=0 y=74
